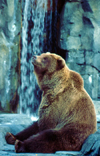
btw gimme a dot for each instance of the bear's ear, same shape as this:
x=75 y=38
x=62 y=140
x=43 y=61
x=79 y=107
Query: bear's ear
x=60 y=63
x=48 y=53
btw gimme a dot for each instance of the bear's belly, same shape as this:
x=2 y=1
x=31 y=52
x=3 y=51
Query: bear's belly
x=48 y=118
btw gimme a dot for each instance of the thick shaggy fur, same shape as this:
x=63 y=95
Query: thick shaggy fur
x=66 y=113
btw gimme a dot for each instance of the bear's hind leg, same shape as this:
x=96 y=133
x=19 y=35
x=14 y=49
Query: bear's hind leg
x=44 y=142
x=29 y=131
x=50 y=141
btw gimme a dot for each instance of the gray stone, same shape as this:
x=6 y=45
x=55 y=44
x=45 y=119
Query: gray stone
x=96 y=23
x=97 y=108
x=69 y=153
x=26 y=154
x=91 y=146
x=11 y=123
x=89 y=55
x=70 y=26
x=14 y=119
x=76 y=56
x=69 y=41
x=96 y=61
x=80 y=36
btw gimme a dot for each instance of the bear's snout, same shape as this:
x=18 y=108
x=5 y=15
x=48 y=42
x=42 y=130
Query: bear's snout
x=34 y=58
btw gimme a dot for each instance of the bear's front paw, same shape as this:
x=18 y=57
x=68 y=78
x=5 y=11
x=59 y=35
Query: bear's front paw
x=19 y=147
x=10 y=139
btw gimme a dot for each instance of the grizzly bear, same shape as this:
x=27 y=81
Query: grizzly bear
x=66 y=113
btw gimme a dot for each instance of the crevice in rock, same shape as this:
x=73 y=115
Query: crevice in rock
x=86 y=7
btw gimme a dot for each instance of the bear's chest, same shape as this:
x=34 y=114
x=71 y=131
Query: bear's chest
x=53 y=111
x=48 y=114
x=47 y=118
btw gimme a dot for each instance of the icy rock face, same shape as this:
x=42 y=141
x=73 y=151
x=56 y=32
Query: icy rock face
x=80 y=36
x=10 y=28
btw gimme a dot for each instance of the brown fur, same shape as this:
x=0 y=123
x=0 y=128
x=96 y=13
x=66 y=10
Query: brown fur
x=66 y=113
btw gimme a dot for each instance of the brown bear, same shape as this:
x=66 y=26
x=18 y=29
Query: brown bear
x=66 y=113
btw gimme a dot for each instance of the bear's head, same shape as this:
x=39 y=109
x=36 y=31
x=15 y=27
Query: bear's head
x=47 y=63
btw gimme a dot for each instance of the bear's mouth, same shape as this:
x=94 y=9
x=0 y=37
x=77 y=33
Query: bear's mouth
x=33 y=60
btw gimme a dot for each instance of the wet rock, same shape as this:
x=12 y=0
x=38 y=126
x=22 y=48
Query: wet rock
x=91 y=145
x=97 y=108
x=96 y=61
x=11 y=123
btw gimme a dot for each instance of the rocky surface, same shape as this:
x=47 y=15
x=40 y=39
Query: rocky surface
x=97 y=107
x=79 y=36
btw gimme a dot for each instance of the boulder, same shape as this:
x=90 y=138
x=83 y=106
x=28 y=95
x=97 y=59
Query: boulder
x=91 y=146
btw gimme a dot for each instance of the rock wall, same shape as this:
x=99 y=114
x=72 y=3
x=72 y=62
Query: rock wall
x=79 y=36
x=10 y=29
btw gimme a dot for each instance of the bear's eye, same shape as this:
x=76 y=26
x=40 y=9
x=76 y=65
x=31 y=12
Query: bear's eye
x=45 y=59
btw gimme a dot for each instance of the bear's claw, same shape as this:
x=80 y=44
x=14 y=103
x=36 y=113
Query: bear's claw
x=10 y=139
x=19 y=147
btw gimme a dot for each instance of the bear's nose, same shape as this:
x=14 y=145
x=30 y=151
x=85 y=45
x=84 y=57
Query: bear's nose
x=34 y=57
